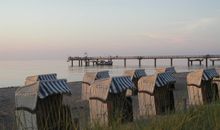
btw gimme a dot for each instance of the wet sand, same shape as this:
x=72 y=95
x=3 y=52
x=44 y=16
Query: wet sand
x=7 y=100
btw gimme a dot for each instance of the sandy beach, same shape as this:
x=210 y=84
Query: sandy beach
x=7 y=99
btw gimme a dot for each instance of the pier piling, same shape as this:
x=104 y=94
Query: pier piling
x=171 y=62
x=188 y=62
x=206 y=62
x=124 y=62
x=79 y=63
x=139 y=62
x=71 y=63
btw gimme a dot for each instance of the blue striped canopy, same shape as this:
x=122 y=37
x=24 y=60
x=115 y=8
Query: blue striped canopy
x=102 y=75
x=209 y=74
x=171 y=69
x=47 y=88
x=27 y=96
x=47 y=77
x=164 y=79
x=120 y=84
x=139 y=73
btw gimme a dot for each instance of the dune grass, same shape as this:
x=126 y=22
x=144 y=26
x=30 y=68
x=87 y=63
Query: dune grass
x=206 y=117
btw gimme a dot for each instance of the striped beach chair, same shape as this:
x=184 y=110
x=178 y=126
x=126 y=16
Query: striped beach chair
x=200 y=86
x=42 y=77
x=88 y=79
x=135 y=76
x=39 y=105
x=108 y=99
x=154 y=95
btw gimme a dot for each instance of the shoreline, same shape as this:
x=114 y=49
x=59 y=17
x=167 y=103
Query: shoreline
x=78 y=76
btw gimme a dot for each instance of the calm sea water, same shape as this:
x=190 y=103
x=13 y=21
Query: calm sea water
x=13 y=73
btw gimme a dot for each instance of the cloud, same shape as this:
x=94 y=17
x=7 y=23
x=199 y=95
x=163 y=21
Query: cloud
x=200 y=24
x=184 y=31
x=165 y=37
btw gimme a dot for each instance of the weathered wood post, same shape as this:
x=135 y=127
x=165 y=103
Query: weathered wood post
x=124 y=62
x=71 y=63
x=200 y=62
x=206 y=62
x=155 y=62
x=171 y=62
x=188 y=62
x=139 y=62
x=88 y=62
x=79 y=63
x=97 y=61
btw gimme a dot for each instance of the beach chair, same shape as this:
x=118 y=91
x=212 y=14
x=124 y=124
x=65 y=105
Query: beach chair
x=43 y=77
x=88 y=79
x=154 y=94
x=200 y=86
x=108 y=100
x=165 y=69
x=135 y=76
x=39 y=106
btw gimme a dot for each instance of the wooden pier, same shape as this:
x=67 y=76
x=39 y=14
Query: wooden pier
x=190 y=59
x=214 y=60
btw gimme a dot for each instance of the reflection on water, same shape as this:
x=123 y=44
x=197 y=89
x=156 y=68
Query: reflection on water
x=13 y=73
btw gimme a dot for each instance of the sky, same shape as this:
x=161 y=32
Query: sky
x=56 y=29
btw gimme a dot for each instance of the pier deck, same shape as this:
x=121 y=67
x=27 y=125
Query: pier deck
x=190 y=58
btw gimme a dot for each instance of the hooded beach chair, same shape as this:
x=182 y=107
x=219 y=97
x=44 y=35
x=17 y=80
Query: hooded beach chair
x=42 y=77
x=154 y=94
x=39 y=105
x=88 y=79
x=200 y=87
x=135 y=76
x=108 y=99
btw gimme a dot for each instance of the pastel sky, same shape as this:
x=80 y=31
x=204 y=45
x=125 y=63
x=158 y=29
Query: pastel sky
x=55 y=29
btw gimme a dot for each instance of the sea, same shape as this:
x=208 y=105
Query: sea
x=14 y=72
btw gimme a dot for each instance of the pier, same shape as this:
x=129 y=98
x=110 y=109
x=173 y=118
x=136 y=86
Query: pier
x=87 y=61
